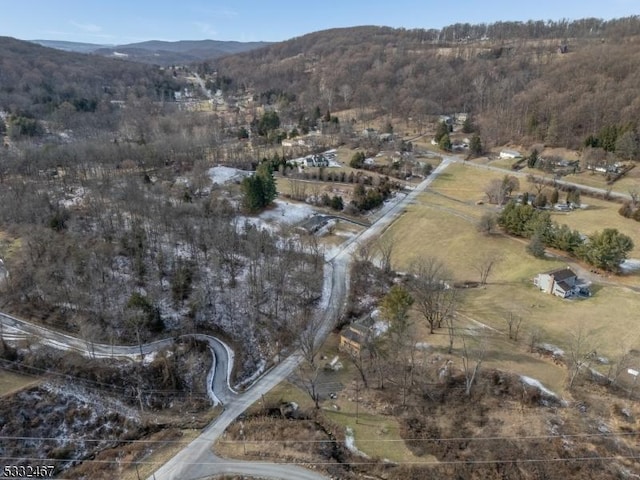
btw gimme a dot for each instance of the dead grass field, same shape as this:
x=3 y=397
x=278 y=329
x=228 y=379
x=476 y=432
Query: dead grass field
x=11 y=382
x=598 y=215
x=441 y=223
x=445 y=229
x=632 y=179
x=609 y=317
x=378 y=436
x=161 y=454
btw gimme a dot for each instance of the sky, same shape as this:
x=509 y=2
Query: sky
x=129 y=21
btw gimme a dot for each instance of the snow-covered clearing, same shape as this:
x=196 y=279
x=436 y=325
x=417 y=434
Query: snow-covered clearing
x=287 y=212
x=630 y=265
x=282 y=212
x=222 y=175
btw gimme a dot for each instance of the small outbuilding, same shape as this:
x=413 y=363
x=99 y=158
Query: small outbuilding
x=354 y=337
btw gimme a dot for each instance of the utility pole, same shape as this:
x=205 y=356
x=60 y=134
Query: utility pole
x=357 y=399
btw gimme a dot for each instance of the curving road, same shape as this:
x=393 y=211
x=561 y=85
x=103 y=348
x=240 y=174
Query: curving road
x=197 y=460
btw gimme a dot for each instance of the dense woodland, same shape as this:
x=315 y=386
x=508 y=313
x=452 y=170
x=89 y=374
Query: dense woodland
x=555 y=82
x=74 y=91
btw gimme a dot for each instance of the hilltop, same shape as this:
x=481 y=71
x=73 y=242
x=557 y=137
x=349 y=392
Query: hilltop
x=555 y=82
x=158 y=52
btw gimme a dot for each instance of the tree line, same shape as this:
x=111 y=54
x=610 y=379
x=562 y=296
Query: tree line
x=606 y=249
x=516 y=89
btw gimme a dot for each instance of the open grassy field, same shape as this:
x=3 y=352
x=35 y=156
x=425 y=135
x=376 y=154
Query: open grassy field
x=598 y=215
x=632 y=179
x=441 y=223
x=443 y=228
x=608 y=317
x=377 y=436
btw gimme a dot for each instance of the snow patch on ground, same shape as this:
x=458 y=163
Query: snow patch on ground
x=281 y=213
x=74 y=197
x=380 y=327
x=552 y=349
x=535 y=383
x=350 y=443
x=630 y=265
x=287 y=212
x=222 y=175
x=259 y=371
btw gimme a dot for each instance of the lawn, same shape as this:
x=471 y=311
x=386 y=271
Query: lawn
x=441 y=223
x=597 y=180
x=609 y=317
x=445 y=229
x=598 y=215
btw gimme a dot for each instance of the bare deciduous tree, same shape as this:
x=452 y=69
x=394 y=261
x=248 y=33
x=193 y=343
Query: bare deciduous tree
x=346 y=92
x=434 y=298
x=487 y=223
x=513 y=323
x=308 y=327
x=307 y=377
x=471 y=361
x=581 y=353
x=484 y=265
x=384 y=246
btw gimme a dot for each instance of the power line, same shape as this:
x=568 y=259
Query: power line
x=99 y=386
x=381 y=440
x=231 y=463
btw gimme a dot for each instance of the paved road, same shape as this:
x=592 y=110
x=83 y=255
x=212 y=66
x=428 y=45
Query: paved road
x=197 y=460
x=218 y=389
x=584 y=188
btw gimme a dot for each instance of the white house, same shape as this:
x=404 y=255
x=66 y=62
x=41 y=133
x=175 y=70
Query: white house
x=510 y=154
x=559 y=282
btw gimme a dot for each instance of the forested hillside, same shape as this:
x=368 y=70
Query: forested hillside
x=39 y=83
x=556 y=82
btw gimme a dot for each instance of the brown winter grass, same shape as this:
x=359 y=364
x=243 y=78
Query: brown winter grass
x=12 y=382
x=598 y=180
x=439 y=227
x=162 y=453
x=609 y=318
x=340 y=233
x=441 y=223
x=262 y=438
x=377 y=436
x=598 y=215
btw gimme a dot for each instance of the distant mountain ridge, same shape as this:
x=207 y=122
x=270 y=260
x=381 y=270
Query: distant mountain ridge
x=77 y=47
x=159 y=52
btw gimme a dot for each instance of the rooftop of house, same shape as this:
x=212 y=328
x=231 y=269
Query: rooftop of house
x=562 y=274
x=355 y=333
